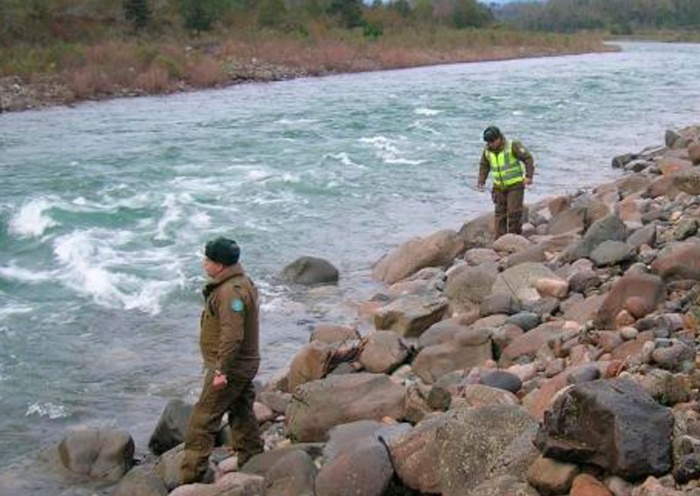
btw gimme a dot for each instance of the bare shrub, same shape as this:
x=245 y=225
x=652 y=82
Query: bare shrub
x=154 y=80
x=204 y=73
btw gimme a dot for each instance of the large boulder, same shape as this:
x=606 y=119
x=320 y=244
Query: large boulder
x=308 y=364
x=410 y=315
x=478 y=232
x=291 y=475
x=467 y=457
x=318 y=406
x=383 y=352
x=688 y=181
x=140 y=481
x=171 y=427
x=329 y=333
x=529 y=343
x=521 y=280
x=646 y=290
x=610 y=228
x=101 y=454
x=611 y=423
x=309 y=271
x=680 y=261
x=572 y=219
x=363 y=469
x=230 y=484
x=440 y=332
x=414 y=455
x=466 y=287
x=469 y=348
x=437 y=250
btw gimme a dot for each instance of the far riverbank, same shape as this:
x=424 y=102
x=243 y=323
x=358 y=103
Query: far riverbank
x=113 y=69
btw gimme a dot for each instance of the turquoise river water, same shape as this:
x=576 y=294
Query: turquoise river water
x=104 y=208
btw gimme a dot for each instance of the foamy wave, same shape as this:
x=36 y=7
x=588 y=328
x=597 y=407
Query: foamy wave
x=388 y=152
x=47 y=409
x=292 y=122
x=344 y=159
x=86 y=258
x=422 y=127
x=173 y=213
x=13 y=310
x=402 y=161
x=30 y=220
x=258 y=175
x=200 y=220
x=426 y=111
x=19 y=274
x=290 y=178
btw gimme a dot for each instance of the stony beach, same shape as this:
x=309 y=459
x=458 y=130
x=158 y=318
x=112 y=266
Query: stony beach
x=563 y=361
x=51 y=89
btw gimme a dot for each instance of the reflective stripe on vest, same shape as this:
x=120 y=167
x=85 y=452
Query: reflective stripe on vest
x=505 y=167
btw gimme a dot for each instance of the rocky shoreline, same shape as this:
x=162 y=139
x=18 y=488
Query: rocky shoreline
x=17 y=94
x=562 y=361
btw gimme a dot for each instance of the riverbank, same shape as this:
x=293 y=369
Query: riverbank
x=580 y=332
x=113 y=68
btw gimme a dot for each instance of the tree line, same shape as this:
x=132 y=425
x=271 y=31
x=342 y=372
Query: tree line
x=616 y=16
x=40 y=21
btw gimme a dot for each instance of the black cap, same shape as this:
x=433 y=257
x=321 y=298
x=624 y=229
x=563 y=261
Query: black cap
x=492 y=133
x=222 y=250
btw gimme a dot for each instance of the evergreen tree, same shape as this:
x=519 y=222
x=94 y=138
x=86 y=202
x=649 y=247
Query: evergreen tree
x=347 y=11
x=271 y=13
x=137 y=12
x=200 y=14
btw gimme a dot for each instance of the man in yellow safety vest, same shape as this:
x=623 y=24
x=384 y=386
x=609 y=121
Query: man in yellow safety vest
x=511 y=167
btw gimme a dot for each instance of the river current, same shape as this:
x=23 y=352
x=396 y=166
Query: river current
x=104 y=208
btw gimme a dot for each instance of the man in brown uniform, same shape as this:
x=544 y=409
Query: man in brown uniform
x=229 y=341
x=511 y=167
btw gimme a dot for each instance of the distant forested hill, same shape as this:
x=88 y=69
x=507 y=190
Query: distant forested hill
x=618 y=16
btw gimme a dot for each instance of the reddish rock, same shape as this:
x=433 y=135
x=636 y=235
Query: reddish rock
x=557 y=288
x=694 y=153
x=662 y=186
x=433 y=251
x=637 y=307
x=550 y=476
x=648 y=287
x=559 y=204
x=530 y=342
x=623 y=319
x=632 y=350
x=587 y=485
x=330 y=333
x=671 y=165
x=681 y=261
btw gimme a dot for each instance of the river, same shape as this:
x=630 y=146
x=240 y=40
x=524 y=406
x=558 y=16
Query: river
x=104 y=208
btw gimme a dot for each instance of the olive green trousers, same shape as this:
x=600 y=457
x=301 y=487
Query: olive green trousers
x=508 y=210
x=237 y=400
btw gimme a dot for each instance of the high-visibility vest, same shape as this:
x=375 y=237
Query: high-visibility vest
x=506 y=169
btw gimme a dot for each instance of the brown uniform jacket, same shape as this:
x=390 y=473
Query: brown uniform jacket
x=520 y=152
x=229 y=337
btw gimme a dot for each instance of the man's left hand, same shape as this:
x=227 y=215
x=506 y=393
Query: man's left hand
x=220 y=381
x=528 y=181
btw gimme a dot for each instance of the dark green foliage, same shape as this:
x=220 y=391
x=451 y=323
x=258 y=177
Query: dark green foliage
x=137 y=12
x=372 y=30
x=618 y=16
x=271 y=13
x=200 y=15
x=470 y=14
x=402 y=7
x=348 y=12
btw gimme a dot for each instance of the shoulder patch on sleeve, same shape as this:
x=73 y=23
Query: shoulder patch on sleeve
x=237 y=305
